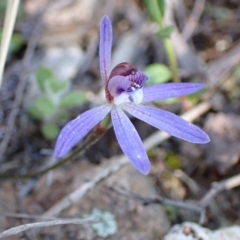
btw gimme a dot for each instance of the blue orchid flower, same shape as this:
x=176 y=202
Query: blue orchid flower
x=125 y=92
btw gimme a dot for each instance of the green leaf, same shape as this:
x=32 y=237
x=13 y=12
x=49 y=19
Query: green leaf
x=154 y=11
x=235 y=94
x=173 y=161
x=62 y=115
x=42 y=108
x=58 y=86
x=195 y=97
x=220 y=13
x=168 y=101
x=45 y=106
x=157 y=73
x=46 y=80
x=44 y=74
x=3 y=6
x=16 y=43
x=50 y=131
x=171 y=212
x=151 y=153
x=34 y=113
x=236 y=72
x=73 y=99
x=166 y=32
x=162 y=6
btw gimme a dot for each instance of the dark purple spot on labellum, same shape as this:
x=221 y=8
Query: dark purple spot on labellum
x=120 y=90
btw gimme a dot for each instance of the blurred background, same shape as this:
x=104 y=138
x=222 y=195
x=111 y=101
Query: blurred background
x=52 y=75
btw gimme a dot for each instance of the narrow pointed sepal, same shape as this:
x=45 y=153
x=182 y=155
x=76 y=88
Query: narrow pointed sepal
x=168 y=122
x=130 y=141
x=105 y=47
x=170 y=90
x=78 y=128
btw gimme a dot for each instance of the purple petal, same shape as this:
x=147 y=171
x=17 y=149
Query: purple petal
x=170 y=90
x=168 y=122
x=118 y=84
x=130 y=141
x=78 y=128
x=105 y=47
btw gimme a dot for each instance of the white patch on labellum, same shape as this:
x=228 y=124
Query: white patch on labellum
x=135 y=97
x=122 y=98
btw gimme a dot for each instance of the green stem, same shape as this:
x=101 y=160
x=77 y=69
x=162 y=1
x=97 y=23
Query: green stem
x=166 y=42
x=171 y=58
x=157 y=13
x=93 y=137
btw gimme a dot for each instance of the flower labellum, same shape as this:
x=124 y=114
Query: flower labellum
x=125 y=92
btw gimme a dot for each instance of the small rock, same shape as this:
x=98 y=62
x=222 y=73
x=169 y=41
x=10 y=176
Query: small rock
x=193 y=231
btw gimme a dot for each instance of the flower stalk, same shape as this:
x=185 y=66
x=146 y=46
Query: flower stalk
x=171 y=58
x=156 y=10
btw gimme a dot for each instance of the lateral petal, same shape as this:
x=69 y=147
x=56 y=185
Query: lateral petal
x=105 y=47
x=78 y=128
x=168 y=122
x=130 y=141
x=170 y=90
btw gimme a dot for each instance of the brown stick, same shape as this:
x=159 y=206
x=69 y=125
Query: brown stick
x=193 y=19
x=218 y=187
x=24 y=227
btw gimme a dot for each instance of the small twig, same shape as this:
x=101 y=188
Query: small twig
x=159 y=200
x=23 y=216
x=218 y=69
x=116 y=164
x=193 y=19
x=60 y=5
x=187 y=180
x=165 y=201
x=21 y=228
x=10 y=17
x=199 y=207
x=101 y=174
x=219 y=187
